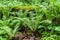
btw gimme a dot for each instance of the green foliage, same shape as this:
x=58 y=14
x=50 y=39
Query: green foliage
x=45 y=19
x=52 y=37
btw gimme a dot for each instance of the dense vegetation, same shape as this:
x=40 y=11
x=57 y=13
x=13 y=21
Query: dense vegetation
x=41 y=17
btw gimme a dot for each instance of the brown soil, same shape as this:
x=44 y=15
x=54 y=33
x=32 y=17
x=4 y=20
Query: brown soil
x=25 y=36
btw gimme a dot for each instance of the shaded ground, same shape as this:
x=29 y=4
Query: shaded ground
x=25 y=36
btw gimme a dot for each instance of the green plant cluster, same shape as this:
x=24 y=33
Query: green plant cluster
x=45 y=19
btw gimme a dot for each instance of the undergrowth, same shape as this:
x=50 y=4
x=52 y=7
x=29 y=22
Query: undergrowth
x=38 y=16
